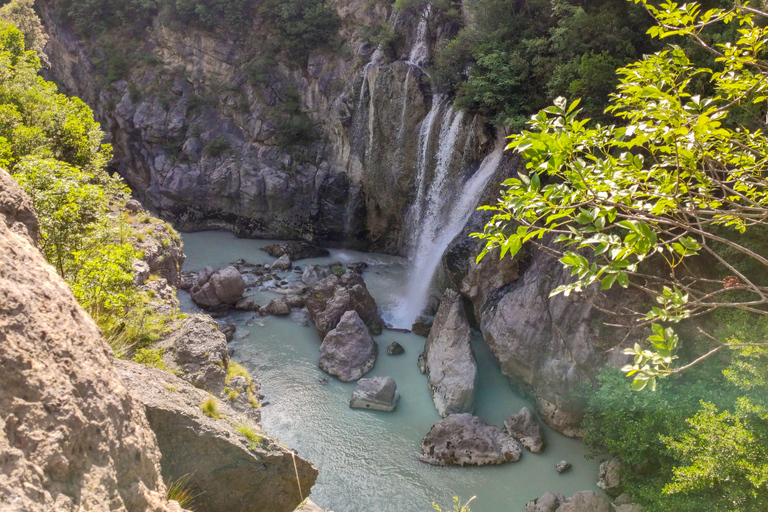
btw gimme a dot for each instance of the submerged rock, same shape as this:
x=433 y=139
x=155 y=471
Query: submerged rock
x=466 y=440
x=524 y=427
x=295 y=250
x=227 y=471
x=333 y=296
x=395 y=349
x=72 y=437
x=314 y=273
x=215 y=289
x=245 y=304
x=348 y=351
x=563 y=466
x=450 y=363
x=377 y=393
x=549 y=502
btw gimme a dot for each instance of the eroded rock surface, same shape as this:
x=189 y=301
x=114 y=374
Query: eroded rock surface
x=199 y=349
x=226 y=470
x=377 y=393
x=466 y=440
x=333 y=296
x=524 y=427
x=450 y=363
x=549 y=502
x=348 y=351
x=71 y=436
x=220 y=288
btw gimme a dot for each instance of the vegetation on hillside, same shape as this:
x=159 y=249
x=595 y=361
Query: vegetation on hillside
x=671 y=203
x=52 y=146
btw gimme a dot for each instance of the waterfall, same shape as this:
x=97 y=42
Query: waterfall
x=436 y=231
x=425 y=133
x=420 y=49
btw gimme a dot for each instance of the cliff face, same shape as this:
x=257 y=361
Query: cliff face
x=71 y=437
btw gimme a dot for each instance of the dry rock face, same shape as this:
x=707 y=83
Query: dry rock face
x=524 y=427
x=466 y=440
x=348 y=351
x=227 y=471
x=450 y=363
x=333 y=296
x=377 y=393
x=71 y=437
x=199 y=349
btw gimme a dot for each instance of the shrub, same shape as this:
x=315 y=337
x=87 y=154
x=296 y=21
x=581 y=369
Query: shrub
x=216 y=147
x=235 y=370
x=152 y=358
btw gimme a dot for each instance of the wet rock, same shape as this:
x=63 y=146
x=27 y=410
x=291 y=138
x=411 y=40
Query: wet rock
x=72 y=436
x=524 y=427
x=563 y=466
x=188 y=280
x=450 y=363
x=585 y=501
x=314 y=273
x=377 y=393
x=282 y=263
x=228 y=330
x=348 y=351
x=609 y=476
x=357 y=268
x=245 y=304
x=295 y=250
x=300 y=316
x=426 y=318
x=547 y=503
x=199 y=350
x=395 y=349
x=466 y=440
x=295 y=301
x=333 y=296
x=226 y=470
x=278 y=307
x=422 y=363
x=216 y=289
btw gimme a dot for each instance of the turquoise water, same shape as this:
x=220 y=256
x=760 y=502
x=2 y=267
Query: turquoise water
x=368 y=459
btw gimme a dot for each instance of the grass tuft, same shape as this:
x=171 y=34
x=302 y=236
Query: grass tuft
x=211 y=408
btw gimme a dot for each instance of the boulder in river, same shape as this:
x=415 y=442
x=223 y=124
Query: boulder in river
x=282 y=263
x=466 y=440
x=295 y=250
x=377 y=393
x=215 y=289
x=563 y=466
x=334 y=295
x=585 y=501
x=314 y=273
x=348 y=351
x=395 y=349
x=450 y=363
x=524 y=427
x=549 y=502
x=278 y=307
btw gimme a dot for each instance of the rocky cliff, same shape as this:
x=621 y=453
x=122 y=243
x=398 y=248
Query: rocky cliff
x=71 y=436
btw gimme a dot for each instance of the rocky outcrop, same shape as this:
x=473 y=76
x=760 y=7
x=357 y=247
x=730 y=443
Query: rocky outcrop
x=227 y=469
x=609 y=476
x=377 y=393
x=71 y=436
x=549 y=502
x=450 y=363
x=295 y=250
x=585 y=501
x=524 y=427
x=199 y=351
x=466 y=440
x=220 y=288
x=282 y=263
x=348 y=351
x=333 y=296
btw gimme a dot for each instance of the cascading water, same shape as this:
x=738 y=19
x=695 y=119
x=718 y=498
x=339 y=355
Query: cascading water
x=425 y=133
x=420 y=49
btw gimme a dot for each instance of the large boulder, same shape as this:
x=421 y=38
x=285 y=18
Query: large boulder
x=278 y=307
x=71 y=436
x=334 y=295
x=377 y=393
x=314 y=273
x=466 y=440
x=609 y=476
x=449 y=361
x=585 y=501
x=282 y=263
x=226 y=470
x=524 y=427
x=215 y=289
x=549 y=502
x=348 y=351
x=199 y=350
x=295 y=250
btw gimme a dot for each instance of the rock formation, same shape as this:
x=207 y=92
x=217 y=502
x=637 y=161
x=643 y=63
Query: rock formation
x=450 y=363
x=227 y=470
x=199 y=350
x=585 y=501
x=71 y=437
x=609 y=476
x=295 y=250
x=466 y=440
x=549 y=502
x=348 y=351
x=333 y=296
x=220 y=288
x=524 y=427
x=377 y=393
x=395 y=349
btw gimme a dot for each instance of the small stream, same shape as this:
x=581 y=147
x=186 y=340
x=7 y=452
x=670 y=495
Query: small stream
x=368 y=459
